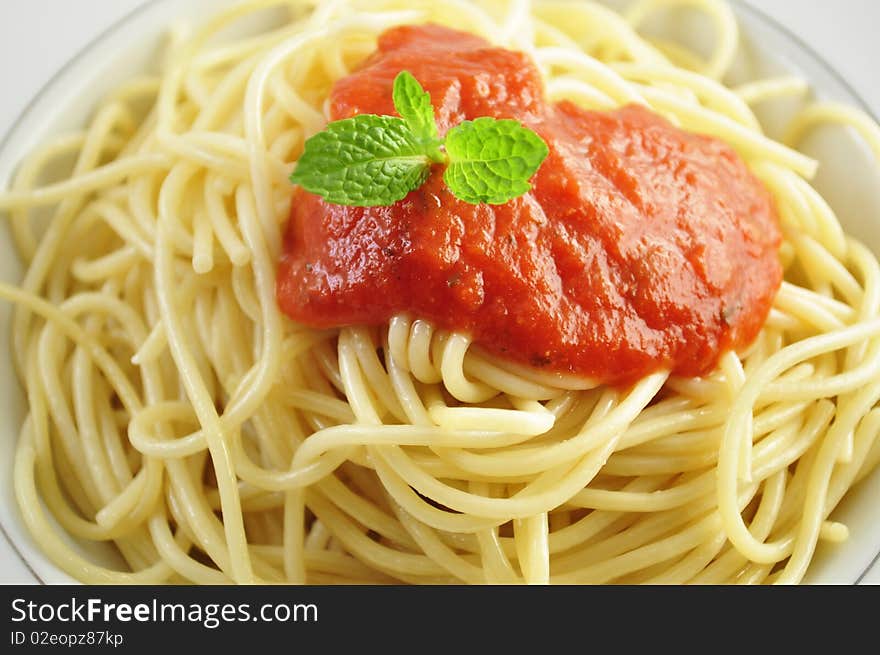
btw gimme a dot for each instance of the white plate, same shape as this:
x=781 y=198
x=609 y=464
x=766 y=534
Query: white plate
x=848 y=180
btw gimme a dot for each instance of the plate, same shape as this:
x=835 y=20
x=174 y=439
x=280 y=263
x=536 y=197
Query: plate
x=848 y=179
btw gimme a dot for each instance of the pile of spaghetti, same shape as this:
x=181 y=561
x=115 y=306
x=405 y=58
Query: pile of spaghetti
x=176 y=414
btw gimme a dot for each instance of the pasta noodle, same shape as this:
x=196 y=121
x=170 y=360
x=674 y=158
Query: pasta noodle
x=176 y=414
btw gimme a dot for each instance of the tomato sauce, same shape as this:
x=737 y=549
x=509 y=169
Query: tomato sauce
x=639 y=247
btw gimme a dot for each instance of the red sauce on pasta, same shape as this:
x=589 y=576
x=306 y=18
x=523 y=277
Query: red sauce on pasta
x=639 y=247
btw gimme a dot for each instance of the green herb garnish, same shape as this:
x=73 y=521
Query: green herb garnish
x=370 y=160
x=413 y=103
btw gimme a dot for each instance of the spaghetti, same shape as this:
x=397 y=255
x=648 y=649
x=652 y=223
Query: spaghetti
x=174 y=413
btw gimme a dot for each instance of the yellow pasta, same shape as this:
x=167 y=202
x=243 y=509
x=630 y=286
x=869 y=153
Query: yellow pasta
x=175 y=413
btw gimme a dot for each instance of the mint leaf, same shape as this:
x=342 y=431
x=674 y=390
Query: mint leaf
x=363 y=161
x=492 y=160
x=413 y=103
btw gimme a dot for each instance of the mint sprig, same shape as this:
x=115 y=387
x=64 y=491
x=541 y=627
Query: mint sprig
x=369 y=160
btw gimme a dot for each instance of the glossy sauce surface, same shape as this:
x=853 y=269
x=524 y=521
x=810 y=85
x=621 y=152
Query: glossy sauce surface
x=639 y=247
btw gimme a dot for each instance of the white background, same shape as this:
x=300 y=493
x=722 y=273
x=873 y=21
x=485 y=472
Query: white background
x=38 y=36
